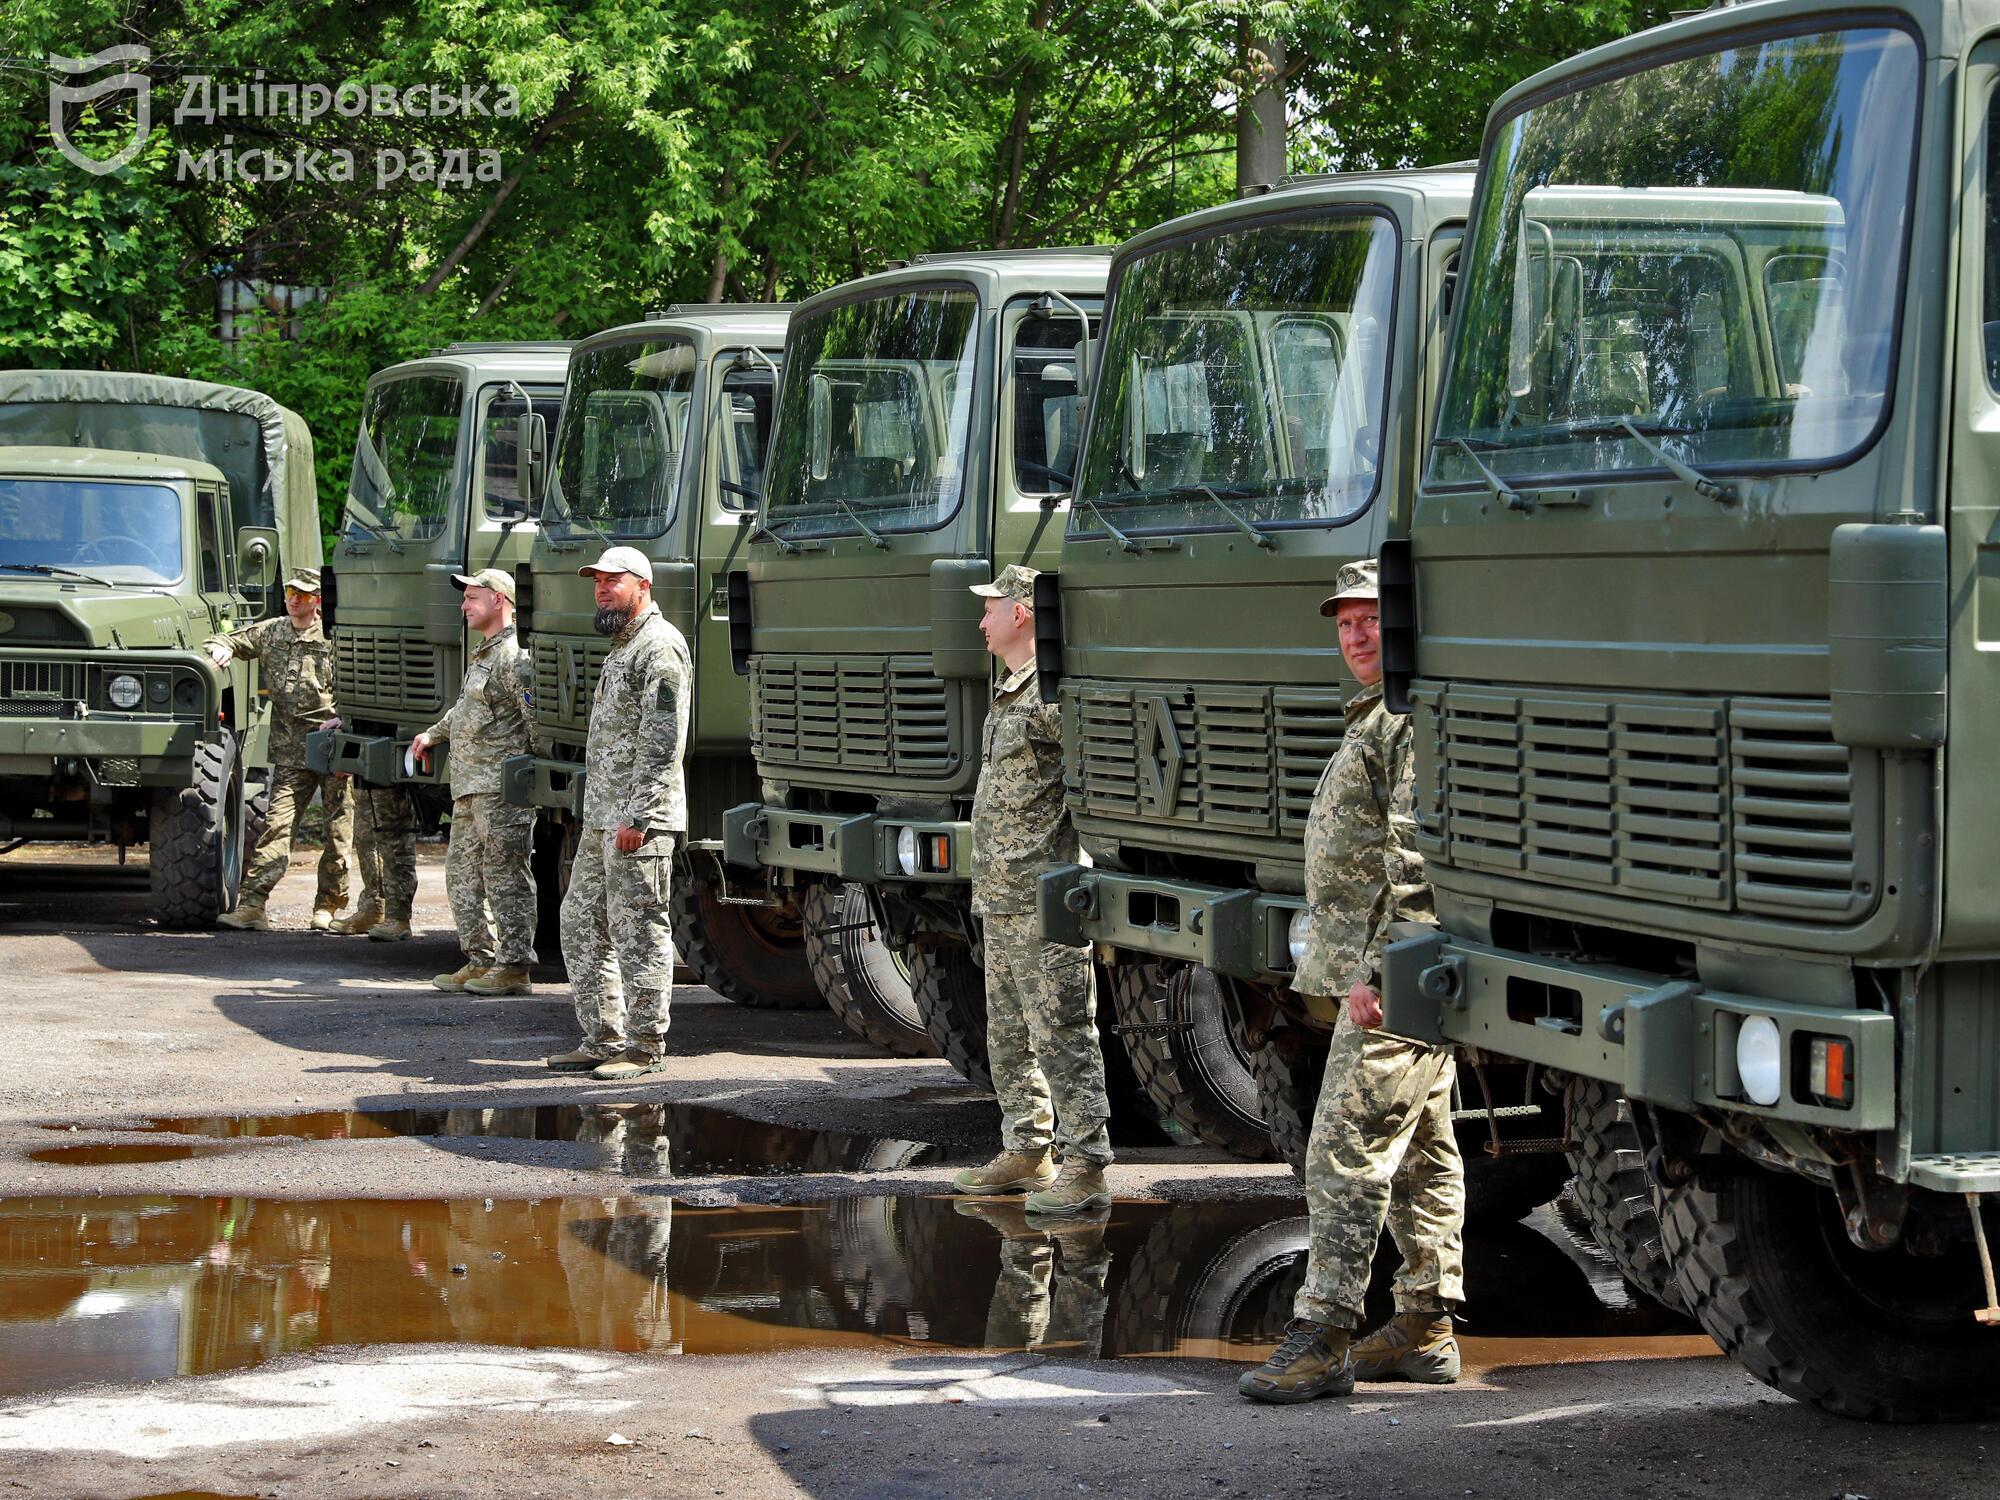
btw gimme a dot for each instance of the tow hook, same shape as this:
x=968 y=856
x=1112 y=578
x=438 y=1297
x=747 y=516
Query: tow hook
x=1444 y=982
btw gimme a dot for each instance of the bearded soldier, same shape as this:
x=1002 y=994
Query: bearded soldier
x=1382 y=1147
x=616 y=937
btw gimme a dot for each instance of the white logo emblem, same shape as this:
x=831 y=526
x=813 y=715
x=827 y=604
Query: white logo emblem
x=61 y=94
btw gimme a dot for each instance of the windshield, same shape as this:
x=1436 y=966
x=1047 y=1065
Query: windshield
x=405 y=455
x=121 y=533
x=1674 y=250
x=874 y=414
x=624 y=429
x=1252 y=362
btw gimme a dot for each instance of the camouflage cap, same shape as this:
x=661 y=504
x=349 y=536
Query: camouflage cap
x=1015 y=582
x=496 y=579
x=305 y=580
x=1355 y=580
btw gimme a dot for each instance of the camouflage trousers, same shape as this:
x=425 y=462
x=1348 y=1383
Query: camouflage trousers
x=292 y=789
x=490 y=880
x=1041 y=1041
x=385 y=849
x=1051 y=1292
x=618 y=943
x=1382 y=1150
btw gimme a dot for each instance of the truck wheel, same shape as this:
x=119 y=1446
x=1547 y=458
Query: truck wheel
x=1210 y=1277
x=754 y=955
x=550 y=857
x=1182 y=1042
x=195 y=839
x=950 y=994
x=1885 y=1336
x=1614 y=1190
x=864 y=980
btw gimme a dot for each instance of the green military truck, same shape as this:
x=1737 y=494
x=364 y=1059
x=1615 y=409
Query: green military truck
x=661 y=447
x=447 y=464
x=1693 y=623
x=139 y=515
x=1269 y=369
x=926 y=429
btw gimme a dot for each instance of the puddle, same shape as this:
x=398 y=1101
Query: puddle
x=136 y=1288
x=648 y=1139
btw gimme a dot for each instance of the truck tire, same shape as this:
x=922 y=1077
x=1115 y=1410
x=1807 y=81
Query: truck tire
x=1177 y=1031
x=865 y=982
x=195 y=839
x=950 y=994
x=1209 y=1276
x=1613 y=1189
x=754 y=955
x=550 y=857
x=1883 y=1336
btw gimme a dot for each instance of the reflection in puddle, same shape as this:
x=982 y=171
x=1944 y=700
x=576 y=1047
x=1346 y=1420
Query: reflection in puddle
x=122 y=1154
x=142 y=1287
x=636 y=1139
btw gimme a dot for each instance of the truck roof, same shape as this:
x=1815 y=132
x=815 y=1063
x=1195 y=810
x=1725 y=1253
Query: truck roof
x=1423 y=196
x=102 y=463
x=997 y=273
x=761 y=324
x=541 y=362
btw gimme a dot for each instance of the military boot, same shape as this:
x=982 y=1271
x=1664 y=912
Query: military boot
x=359 y=920
x=631 y=1063
x=1310 y=1362
x=1078 y=1189
x=246 y=919
x=1009 y=1172
x=390 y=930
x=458 y=978
x=1004 y=1215
x=1411 y=1346
x=576 y=1060
x=324 y=917
x=499 y=981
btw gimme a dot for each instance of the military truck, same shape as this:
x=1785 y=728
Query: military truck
x=138 y=515
x=1693 y=622
x=661 y=447
x=1268 y=369
x=447 y=459
x=926 y=429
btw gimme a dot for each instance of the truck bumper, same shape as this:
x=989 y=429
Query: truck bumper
x=861 y=847
x=532 y=781
x=1232 y=931
x=374 y=759
x=1667 y=1041
x=31 y=747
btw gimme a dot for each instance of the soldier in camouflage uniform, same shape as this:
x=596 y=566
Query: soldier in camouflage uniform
x=298 y=676
x=1382 y=1148
x=616 y=937
x=1041 y=1007
x=1051 y=1293
x=487 y=870
x=385 y=851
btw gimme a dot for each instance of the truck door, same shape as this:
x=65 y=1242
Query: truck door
x=500 y=531
x=742 y=398
x=1039 y=430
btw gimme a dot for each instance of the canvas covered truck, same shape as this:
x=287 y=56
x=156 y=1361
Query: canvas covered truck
x=139 y=515
x=1268 y=371
x=661 y=447
x=448 y=459
x=1694 y=625
x=926 y=430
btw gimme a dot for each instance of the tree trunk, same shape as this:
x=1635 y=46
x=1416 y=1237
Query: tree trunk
x=1260 y=114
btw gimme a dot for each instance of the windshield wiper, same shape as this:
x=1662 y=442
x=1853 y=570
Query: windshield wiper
x=875 y=538
x=1125 y=543
x=569 y=514
x=1722 y=494
x=380 y=529
x=766 y=534
x=1472 y=448
x=1244 y=524
x=53 y=572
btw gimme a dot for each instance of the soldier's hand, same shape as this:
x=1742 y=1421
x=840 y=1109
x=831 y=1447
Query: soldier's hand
x=420 y=747
x=629 y=839
x=1364 y=1007
x=329 y=726
x=220 y=654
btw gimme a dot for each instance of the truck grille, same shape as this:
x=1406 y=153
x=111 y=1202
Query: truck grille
x=41 y=683
x=854 y=713
x=1729 y=804
x=392 y=671
x=1241 y=760
x=566 y=668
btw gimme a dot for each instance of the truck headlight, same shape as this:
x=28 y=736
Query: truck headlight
x=907 y=858
x=1758 y=1059
x=1295 y=935
x=124 y=691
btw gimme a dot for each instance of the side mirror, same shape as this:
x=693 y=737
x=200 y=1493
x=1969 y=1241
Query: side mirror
x=256 y=557
x=531 y=445
x=822 y=426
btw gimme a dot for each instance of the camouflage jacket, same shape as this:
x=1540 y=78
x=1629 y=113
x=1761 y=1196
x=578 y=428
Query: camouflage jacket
x=298 y=678
x=1363 y=870
x=639 y=730
x=490 y=720
x=1019 y=824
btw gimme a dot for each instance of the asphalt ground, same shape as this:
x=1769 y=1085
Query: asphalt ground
x=279 y=1218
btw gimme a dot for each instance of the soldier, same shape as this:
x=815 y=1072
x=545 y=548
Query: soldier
x=1041 y=1007
x=385 y=852
x=487 y=871
x=1382 y=1146
x=298 y=676
x=616 y=939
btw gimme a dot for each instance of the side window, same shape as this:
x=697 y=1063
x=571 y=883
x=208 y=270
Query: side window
x=1046 y=429
x=211 y=545
x=499 y=460
x=743 y=434
x=1990 y=312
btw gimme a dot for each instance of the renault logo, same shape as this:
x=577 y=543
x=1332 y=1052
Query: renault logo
x=1160 y=756
x=572 y=679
